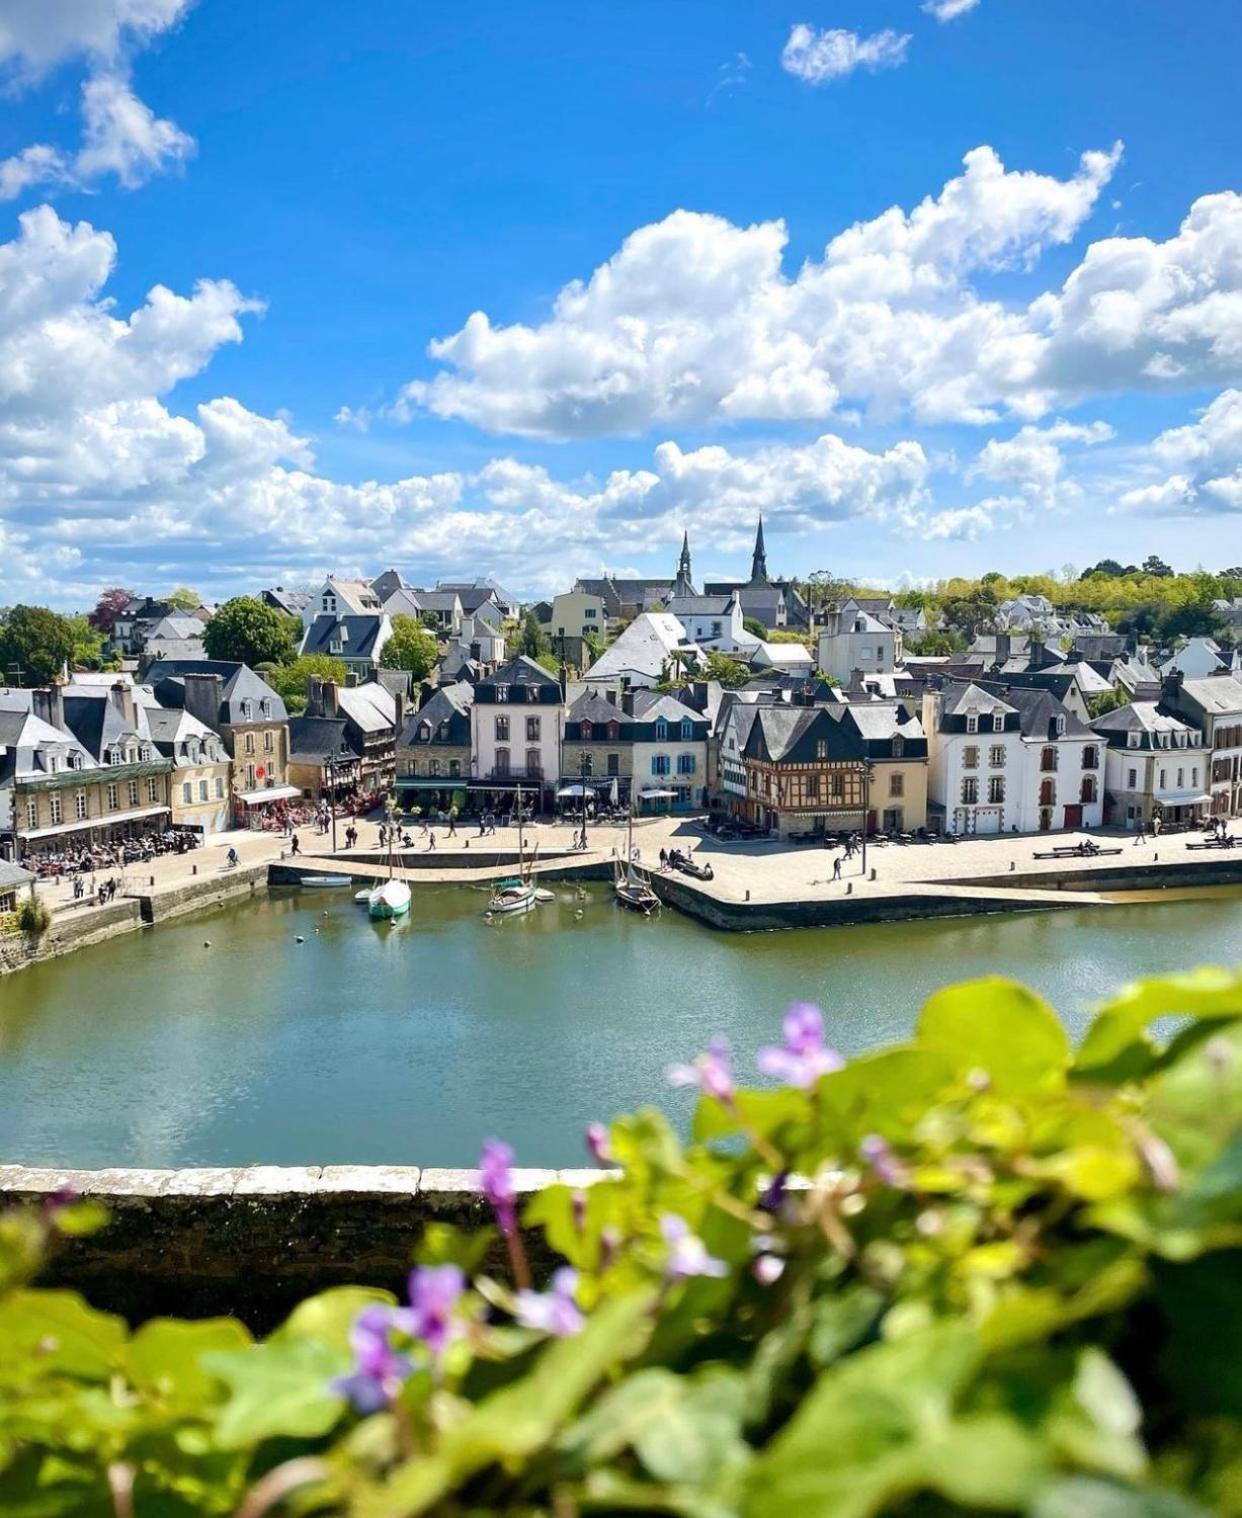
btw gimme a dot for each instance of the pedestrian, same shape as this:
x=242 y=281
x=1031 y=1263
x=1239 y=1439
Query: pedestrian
x=836 y=868
x=452 y=827
x=296 y=847
x=383 y=835
x=664 y=859
x=431 y=841
x=1156 y=824
x=482 y=827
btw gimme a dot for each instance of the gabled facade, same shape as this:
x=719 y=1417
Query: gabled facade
x=198 y=788
x=339 y=597
x=858 y=641
x=1214 y=706
x=977 y=759
x=357 y=641
x=516 y=722
x=1154 y=766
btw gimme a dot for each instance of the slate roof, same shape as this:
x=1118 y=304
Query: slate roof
x=961 y=699
x=451 y=704
x=644 y=648
x=1215 y=693
x=311 y=739
x=238 y=683
x=12 y=876
x=369 y=707
x=362 y=634
x=1039 y=711
x=592 y=706
x=699 y=606
x=651 y=706
x=27 y=743
x=1143 y=717
x=97 y=723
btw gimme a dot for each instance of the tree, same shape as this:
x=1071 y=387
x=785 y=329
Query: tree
x=933 y=645
x=1108 y=701
x=108 y=608
x=824 y=589
x=974 y=612
x=1154 y=565
x=532 y=641
x=728 y=672
x=1194 y=620
x=411 y=648
x=755 y=627
x=289 y=680
x=88 y=645
x=184 y=599
x=248 y=631
x=35 y=644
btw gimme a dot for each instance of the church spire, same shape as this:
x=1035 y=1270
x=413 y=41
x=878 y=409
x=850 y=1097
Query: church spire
x=759 y=560
x=683 y=585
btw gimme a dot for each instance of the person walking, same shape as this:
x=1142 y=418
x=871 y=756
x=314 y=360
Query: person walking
x=452 y=827
x=295 y=848
x=836 y=868
x=431 y=841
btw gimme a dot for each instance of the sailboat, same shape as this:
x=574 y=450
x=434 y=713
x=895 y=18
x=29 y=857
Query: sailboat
x=632 y=888
x=392 y=898
x=516 y=894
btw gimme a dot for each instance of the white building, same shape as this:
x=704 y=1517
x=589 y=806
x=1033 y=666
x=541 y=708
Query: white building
x=1154 y=765
x=652 y=649
x=516 y=722
x=1061 y=778
x=858 y=641
x=714 y=622
x=974 y=744
x=338 y=597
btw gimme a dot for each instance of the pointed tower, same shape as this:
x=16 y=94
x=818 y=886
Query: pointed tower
x=759 y=560
x=683 y=585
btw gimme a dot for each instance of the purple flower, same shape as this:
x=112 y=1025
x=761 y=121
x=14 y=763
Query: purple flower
x=804 y=1056
x=768 y=1269
x=552 y=1312
x=878 y=1154
x=774 y=1194
x=379 y=1370
x=687 y=1254
x=711 y=1072
x=434 y=1292
x=597 y=1143
x=497 y=1180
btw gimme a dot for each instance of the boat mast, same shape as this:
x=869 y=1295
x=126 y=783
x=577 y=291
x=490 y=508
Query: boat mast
x=521 y=844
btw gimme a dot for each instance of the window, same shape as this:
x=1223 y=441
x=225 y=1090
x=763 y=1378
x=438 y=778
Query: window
x=586 y=764
x=433 y=766
x=972 y=722
x=661 y=731
x=202 y=790
x=1060 y=726
x=265 y=707
x=532 y=693
x=79 y=806
x=836 y=786
x=1164 y=780
x=660 y=764
x=899 y=746
x=54 y=811
x=589 y=613
x=1088 y=790
x=996 y=789
x=1048 y=793
x=1048 y=759
x=614 y=731
x=249 y=745
x=502 y=694
x=247 y=710
x=114 y=800
x=970 y=757
x=687 y=730
x=455 y=768
x=443 y=732
x=1132 y=780
x=821 y=748
x=502 y=761
x=614 y=764
x=502 y=729
x=533 y=729
x=1091 y=757
x=998 y=722
x=219 y=788
x=896 y=784
x=187 y=793
x=584 y=730
x=153 y=789
x=53 y=764
x=996 y=756
x=267 y=741
x=970 y=791
x=685 y=764
x=32 y=814
x=812 y=787
x=1180 y=782
x=133 y=793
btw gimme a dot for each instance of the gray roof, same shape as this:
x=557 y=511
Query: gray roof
x=238 y=683
x=12 y=876
x=369 y=707
x=1215 y=693
x=362 y=633
x=651 y=706
x=1039 y=711
x=961 y=699
x=700 y=606
x=312 y=739
x=1140 y=716
x=451 y=703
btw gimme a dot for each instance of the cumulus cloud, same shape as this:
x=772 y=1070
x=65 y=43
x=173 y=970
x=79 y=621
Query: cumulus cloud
x=694 y=319
x=92 y=453
x=121 y=134
x=1033 y=460
x=949 y=10
x=816 y=57
x=1205 y=458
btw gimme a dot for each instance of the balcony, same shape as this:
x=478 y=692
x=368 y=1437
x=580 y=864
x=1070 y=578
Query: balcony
x=513 y=772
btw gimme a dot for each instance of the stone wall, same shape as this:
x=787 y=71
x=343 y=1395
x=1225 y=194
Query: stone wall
x=70 y=929
x=207 y=890
x=253 y=1242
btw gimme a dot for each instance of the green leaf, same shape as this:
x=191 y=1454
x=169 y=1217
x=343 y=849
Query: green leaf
x=1082 y=1497
x=761 y=1112
x=328 y=1317
x=1001 y=1027
x=57 y=1331
x=1205 y=993
x=1202 y=1356
x=277 y=1389
x=164 y=1356
x=886 y=1092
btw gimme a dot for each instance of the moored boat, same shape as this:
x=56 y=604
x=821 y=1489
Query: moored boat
x=392 y=899
x=511 y=897
x=633 y=888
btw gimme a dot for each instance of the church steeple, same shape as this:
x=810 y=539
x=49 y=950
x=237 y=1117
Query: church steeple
x=759 y=560
x=683 y=585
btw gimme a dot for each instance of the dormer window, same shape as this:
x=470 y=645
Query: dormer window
x=687 y=730
x=899 y=746
x=661 y=731
x=998 y=722
x=1133 y=738
x=614 y=731
x=1059 y=726
x=144 y=753
x=972 y=722
x=424 y=732
x=265 y=707
x=247 y=710
x=532 y=693
x=502 y=693
x=584 y=730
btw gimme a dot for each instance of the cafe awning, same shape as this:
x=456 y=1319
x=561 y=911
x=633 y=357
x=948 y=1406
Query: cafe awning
x=86 y=825
x=658 y=795
x=1183 y=798
x=272 y=793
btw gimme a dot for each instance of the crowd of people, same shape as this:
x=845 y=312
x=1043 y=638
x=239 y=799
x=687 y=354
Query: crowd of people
x=88 y=858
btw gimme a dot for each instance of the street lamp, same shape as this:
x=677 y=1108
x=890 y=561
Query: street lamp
x=867 y=770
x=582 y=772
x=331 y=758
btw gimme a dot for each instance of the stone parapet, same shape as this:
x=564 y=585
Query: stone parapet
x=252 y=1241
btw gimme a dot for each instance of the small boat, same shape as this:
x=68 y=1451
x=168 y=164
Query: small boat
x=391 y=898
x=632 y=888
x=323 y=882
x=544 y=896
x=512 y=897
x=363 y=897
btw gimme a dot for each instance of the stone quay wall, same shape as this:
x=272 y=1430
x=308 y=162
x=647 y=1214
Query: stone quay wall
x=70 y=931
x=253 y=1241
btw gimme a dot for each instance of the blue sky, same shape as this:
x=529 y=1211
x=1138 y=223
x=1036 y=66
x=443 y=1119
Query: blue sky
x=1038 y=368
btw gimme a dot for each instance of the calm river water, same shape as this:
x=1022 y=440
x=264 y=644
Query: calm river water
x=410 y=1044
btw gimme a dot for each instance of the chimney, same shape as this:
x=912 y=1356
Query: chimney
x=611 y=695
x=1002 y=647
x=1171 y=685
x=399 y=704
x=48 y=704
x=314 y=695
x=627 y=702
x=330 y=697
x=122 y=697
x=202 y=698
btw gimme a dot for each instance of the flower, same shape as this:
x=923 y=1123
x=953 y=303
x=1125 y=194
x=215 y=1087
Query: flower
x=710 y=1071
x=597 y=1143
x=552 y=1312
x=878 y=1154
x=687 y=1254
x=804 y=1056
x=775 y=1193
x=497 y=1180
x=434 y=1292
x=768 y=1269
x=379 y=1370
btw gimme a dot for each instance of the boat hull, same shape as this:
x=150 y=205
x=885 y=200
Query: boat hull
x=390 y=900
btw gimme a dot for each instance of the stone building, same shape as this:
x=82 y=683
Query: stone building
x=199 y=790
x=516 y=730
x=433 y=750
x=1154 y=766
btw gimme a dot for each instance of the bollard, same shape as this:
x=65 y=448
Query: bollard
x=1013 y=865
x=747 y=895
x=194 y=869
x=873 y=872
x=849 y=890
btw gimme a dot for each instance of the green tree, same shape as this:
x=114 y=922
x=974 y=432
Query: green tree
x=247 y=630
x=1155 y=565
x=289 y=680
x=1197 y=619
x=755 y=627
x=933 y=645
x=1108 y=701
x=411 y=648
x=728 y=672
x=35 y=644
x=532 y=641
x=88 y=645
x=184 y=599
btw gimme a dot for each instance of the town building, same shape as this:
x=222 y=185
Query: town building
x=199 y=792
x=1061 y=778
x=1154 y=766
x=976 y=759
x=338 y=597
x=774 y=603
x=1214 y=706
x=321 y=763
x=372 y=716
x=515 y=734
x=14 y=882
x=356 y=640
x=289 y=603
x=576 y=621
x=651 y=650
x=475 y=596
x=650 y=747
x=858 y=641
x=714 y=622
x=1195 y=659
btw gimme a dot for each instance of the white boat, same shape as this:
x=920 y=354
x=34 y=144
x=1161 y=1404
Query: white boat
x=633 y=888
x=512 y=897
x=392 y=899
x=323 y=882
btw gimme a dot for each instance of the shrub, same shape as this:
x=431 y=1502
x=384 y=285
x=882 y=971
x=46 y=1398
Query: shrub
x=33 y=917
x=1005 y=1282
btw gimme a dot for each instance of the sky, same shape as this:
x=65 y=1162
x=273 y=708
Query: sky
x=530 y=290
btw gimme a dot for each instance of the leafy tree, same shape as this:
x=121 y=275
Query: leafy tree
x=88 y=644
x=728 y=672
x=112 y=602
x=1109 y=569
x=755 y=627
x=822 y=588
x=1194 y=620
x=1108 y=701
x=1154 y=565
x=184 y=599
x=289 y=680
x=248 y=630
x=411 y=648
x=533 y=641
x=932 y=645
x=35 y=644
x=974 y=612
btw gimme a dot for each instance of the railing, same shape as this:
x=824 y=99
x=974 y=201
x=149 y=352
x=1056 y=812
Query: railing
x=513 y=772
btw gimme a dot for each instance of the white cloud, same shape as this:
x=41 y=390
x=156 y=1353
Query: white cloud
x=949 y=10
x=820 y=56
x=1206 y=459
x=1033 y=461
x=694 y=319
x=121 y=135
